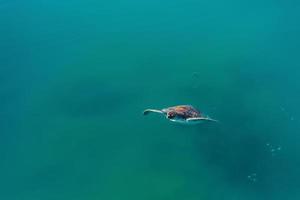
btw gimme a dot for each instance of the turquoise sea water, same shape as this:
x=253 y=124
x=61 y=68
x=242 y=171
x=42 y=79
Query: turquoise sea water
x=75 y=77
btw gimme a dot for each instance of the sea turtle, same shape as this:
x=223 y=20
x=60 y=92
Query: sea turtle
x=183 y=114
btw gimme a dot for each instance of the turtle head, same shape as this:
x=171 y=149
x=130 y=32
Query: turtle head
x=171 y=115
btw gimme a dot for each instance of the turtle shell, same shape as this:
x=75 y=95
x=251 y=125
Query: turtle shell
x=185 y=111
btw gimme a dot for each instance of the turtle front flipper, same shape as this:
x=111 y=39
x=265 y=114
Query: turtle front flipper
x=195 y=119
x=147 y=111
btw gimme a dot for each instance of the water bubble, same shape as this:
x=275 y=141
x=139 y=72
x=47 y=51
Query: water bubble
x=252 y=177
x=278 y=148
x=273 y=149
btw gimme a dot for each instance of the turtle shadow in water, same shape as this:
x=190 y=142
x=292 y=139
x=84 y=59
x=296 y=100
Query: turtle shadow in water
x=90 y=99
x=234 y=155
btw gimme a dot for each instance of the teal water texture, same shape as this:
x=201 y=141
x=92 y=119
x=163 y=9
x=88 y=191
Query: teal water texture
x=75 y=77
